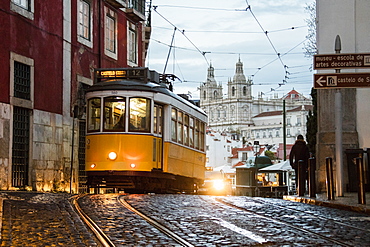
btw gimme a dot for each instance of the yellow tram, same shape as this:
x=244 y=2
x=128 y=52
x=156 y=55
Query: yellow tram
x=141 y=137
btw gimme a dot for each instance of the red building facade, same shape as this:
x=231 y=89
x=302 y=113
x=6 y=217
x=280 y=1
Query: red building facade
x=48 y=51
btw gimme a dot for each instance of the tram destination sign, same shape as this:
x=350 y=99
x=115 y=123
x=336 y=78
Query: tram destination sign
x=342 y=80
x=341 y=61
x=126 y=73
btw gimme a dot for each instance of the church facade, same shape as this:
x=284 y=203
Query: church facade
x=249 y=117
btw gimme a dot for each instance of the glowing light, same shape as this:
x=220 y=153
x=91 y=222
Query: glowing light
x=132 y=165
x=92 y=166
x=112 y=156
x=218 y=184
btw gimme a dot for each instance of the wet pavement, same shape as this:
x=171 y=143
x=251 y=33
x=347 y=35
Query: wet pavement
x=41 y=219
x=47 y=219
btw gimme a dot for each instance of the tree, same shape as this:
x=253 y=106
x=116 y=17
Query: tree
x=312 y=124
x=270 y=154
x=310 y=47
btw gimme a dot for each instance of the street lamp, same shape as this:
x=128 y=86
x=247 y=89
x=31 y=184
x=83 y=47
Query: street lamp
x=256 y=147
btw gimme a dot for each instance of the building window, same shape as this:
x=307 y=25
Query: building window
x=110 y=34
x=132 y=46
x=233 y=91
x=85 y=23
x=244 y=91
x=215 y=94
x=288 y=121
x=204 y=95
x=244 y=156
x=23 y=3
x=299 y=121
x=277 y=134
x=23 y=7
x=22 y=80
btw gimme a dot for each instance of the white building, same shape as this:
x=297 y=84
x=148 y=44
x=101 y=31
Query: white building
x=249 y=117
x=219 y=147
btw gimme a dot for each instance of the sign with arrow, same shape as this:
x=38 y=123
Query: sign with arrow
x=342 y=80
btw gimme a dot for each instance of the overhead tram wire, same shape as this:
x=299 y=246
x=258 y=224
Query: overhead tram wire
x=236 y=32
x=183 y=33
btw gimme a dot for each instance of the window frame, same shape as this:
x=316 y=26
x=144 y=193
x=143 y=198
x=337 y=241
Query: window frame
x=148 y=116
x=25 y=103
x=27 y=12
x=99 y=116
x=132 y=47
x=110 y=34
x=88 y=41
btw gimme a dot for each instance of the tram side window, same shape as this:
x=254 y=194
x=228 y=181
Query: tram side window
x=173 y=125
x=139 y=115
x=114 y=113
x=191 y=132
x=157 y=119
x=201 y=135
x=186 y=130
x=93 y=123
x=179 y=127
x=196 y=134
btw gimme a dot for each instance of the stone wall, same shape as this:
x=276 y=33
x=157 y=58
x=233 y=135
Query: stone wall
x=4 y=146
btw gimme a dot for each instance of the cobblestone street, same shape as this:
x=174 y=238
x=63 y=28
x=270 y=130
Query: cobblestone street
x=37 y=219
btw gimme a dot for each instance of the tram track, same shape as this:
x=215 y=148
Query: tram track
x=291 y=225
x=105 y=240
x=193 y=221
x=99 y=234
x=156 y=224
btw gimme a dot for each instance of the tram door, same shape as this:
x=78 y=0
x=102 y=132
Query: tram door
x=158 y=139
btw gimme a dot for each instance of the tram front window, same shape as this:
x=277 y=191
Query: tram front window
x=139 y=115
x=93 y=123
x=114 y=114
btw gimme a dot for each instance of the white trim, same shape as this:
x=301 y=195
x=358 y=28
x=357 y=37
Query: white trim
x=88 y=43
x=108 y=13
x=22 y=11
x=30 y=62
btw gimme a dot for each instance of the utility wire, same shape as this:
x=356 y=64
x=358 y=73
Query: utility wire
x=183 y=33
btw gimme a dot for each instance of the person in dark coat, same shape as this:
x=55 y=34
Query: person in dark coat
x=299 y=152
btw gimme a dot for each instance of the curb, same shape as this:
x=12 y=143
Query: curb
x=358 y=208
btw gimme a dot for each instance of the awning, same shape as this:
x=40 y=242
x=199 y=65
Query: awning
x=279 y=167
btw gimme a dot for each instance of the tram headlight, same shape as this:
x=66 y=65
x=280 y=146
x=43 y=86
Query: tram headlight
x=132 y=165
x=92 y=166
x=218 y=184
x=112 y=155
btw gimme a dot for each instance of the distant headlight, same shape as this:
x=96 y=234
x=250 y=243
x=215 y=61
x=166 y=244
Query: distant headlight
x=112 y=156
x=218 y=184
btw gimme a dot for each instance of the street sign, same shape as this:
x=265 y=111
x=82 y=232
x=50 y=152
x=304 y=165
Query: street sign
x=342 y=80
x=341 y=61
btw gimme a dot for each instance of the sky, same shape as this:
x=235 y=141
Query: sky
x=268 y=36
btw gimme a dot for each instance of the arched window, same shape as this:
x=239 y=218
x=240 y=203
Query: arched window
x=244 y=91
x=233 y=91
x=204 y=95
x=215 y=94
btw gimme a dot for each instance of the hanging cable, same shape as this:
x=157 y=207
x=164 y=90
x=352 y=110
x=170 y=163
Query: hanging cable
x=183 y=33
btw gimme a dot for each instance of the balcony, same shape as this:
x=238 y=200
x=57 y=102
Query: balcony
x=117 y=3
x=135 y=10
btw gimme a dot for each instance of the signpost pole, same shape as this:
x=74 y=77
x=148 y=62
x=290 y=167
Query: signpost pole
x=338 y=130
